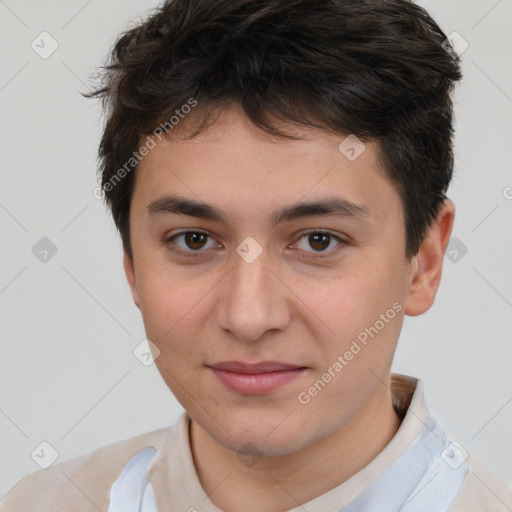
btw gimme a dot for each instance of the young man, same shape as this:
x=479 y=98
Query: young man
x=277 y=171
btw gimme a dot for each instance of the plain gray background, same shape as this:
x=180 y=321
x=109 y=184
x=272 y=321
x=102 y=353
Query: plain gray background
x=68 y=325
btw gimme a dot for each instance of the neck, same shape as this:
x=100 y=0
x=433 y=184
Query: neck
x=282 y=483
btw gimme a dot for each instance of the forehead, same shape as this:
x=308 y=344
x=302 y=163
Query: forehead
x=236 y=166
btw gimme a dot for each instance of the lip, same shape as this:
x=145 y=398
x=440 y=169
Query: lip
x=255 y=379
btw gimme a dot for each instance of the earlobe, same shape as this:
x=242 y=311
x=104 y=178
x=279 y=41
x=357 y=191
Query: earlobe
x=129 y=270
x=426 y=267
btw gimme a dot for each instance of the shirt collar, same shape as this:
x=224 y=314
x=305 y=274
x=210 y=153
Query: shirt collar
x=177 y=486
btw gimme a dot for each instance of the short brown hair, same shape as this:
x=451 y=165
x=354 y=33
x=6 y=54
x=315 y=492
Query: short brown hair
x=373 y=68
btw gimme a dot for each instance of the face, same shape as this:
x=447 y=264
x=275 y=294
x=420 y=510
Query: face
x=256 y=278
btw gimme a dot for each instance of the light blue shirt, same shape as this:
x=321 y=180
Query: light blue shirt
x=426 y=477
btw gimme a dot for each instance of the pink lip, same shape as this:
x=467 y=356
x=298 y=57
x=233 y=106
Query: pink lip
x=255 y=379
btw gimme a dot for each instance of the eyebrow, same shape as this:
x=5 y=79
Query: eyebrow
x=330 y=206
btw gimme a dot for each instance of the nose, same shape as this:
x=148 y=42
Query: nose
x=252 y=300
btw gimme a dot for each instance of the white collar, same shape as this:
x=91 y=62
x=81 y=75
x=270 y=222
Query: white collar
x=418 y=468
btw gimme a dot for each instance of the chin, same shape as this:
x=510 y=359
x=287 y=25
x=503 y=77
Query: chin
x=266 y=435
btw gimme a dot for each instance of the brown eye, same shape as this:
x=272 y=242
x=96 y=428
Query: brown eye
x=188 y=243
x=195 y=240
x=319 y=242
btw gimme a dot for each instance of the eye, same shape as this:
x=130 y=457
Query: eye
x=191 y=242
x=319 y=241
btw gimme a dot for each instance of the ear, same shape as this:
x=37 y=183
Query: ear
x=426 y=267
x=129 y=270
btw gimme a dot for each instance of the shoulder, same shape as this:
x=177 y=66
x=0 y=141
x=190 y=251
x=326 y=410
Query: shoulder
x=81 y=484
x=482 y=489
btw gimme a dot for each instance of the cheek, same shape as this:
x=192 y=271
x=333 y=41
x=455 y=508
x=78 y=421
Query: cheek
x=164 y=312
x=170 y=306
x=175 y=308
x=160 y=307
x=360 y=312
x=168 y=293
x=351 y=299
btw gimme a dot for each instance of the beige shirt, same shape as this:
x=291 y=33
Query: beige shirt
x=83 y=484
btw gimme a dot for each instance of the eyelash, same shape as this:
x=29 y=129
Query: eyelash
x=321 y=254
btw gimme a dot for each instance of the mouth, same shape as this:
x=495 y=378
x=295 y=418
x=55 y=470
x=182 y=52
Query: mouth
x=255 y=379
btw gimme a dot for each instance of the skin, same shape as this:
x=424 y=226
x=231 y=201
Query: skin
x=296 y=303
